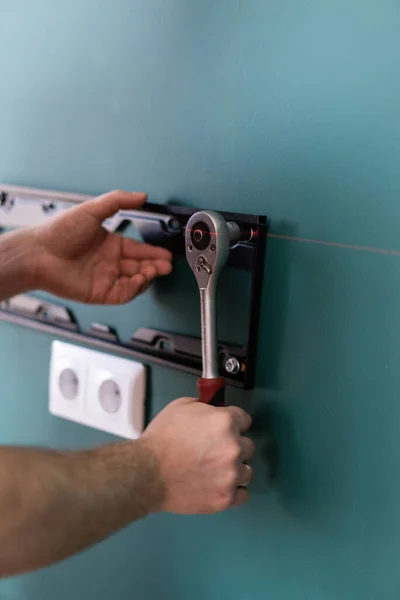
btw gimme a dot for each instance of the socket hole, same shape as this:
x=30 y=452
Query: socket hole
x=198 y=235
x=69 y=384
x=110 y=396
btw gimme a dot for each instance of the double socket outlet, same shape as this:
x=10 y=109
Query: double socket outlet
x=97 y=390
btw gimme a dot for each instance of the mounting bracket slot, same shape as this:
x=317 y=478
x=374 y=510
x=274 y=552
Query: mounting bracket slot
x=161 y=225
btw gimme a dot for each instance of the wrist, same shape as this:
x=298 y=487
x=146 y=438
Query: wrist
x=30 y=259
x=129 y=471
x=154 y=489
x=19 y=262
x=157 y=456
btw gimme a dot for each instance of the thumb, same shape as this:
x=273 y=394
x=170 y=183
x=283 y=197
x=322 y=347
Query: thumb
x=108 y=205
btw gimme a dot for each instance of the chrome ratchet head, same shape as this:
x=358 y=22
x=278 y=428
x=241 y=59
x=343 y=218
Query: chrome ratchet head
x=207 y=239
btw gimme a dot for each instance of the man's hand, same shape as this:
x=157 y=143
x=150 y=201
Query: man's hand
x=201 y=453
x=77 y=258
x=191 y=459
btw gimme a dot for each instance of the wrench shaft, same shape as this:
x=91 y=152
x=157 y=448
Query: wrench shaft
x=207 y=239
x=209 y=333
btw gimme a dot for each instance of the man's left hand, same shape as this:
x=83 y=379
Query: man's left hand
x=78 y=259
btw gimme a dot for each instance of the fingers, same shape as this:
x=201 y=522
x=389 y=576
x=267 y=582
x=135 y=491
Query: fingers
x=136 y=250
x=135 y=278
x=241 y=496
x=107 y=205
x=245 y=475
x=149 y=272
x=164 y=267
x=149 y=269
x=129 y=267
x=240 y=418
x=126 y=289
x=154 y=268
x=248 y=449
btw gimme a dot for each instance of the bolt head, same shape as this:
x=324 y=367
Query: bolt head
x=232 y=366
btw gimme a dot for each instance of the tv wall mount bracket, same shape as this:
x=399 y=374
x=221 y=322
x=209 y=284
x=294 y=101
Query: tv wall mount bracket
x=161 y=225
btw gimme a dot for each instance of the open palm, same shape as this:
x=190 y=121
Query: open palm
x=80 y=260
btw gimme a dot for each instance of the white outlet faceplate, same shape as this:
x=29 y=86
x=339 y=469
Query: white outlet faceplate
x=98 y=390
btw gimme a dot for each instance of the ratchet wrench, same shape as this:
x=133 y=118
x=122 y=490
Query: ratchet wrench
x=208 y=238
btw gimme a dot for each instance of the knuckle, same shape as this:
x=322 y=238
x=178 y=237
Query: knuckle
x=240 y=417
x=253 y=447
x=243 y=496
x=224 y=502
x=250 y=448
x=225 y=421
x=231 y=478
x=233 y=452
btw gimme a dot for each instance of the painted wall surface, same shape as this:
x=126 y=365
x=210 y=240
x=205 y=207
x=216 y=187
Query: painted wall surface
x=285 y=107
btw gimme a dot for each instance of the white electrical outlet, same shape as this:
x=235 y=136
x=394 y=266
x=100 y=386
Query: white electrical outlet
x=98 y=390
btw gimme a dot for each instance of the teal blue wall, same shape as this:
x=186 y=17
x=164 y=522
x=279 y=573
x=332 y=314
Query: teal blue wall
x=289 y=108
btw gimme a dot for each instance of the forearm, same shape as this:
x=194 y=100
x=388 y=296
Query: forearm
x=55 y=504
x=17 y=262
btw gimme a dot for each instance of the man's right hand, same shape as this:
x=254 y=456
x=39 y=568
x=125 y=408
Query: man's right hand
x=201 y=455
x=191 y=459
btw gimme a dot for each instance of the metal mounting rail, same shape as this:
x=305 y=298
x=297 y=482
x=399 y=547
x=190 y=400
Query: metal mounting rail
x=157 y=224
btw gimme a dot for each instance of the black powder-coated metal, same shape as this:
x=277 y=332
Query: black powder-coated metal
x=155 y=346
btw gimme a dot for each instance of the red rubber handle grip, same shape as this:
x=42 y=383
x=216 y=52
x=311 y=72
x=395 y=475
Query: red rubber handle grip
x=212 y=391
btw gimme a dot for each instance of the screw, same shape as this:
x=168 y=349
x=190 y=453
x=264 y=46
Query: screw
x=212 y=248
x=190 y=247
x=48 y=207
x=232 y=366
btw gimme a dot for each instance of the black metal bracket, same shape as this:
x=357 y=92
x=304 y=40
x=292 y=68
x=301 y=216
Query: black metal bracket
x=161 y=225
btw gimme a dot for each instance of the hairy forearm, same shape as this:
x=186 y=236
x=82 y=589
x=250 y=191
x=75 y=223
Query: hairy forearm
x=17 y=262
x=55 y=504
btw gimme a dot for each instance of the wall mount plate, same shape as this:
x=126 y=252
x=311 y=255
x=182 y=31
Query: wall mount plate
x=161 y=225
